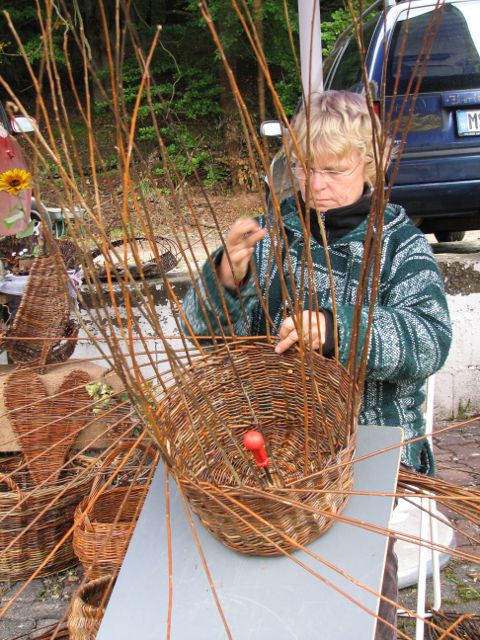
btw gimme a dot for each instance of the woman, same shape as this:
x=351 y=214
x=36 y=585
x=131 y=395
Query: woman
x=411 y=331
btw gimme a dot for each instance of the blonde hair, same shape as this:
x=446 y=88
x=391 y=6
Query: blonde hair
x=340 y=124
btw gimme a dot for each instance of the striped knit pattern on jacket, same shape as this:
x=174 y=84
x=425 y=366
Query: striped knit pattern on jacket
x=411 y=330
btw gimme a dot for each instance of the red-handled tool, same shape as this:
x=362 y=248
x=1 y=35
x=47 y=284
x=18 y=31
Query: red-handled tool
x=254 y=442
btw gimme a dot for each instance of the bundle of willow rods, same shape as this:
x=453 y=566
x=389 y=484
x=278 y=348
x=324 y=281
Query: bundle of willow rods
x=465 y=502
x=465 y=626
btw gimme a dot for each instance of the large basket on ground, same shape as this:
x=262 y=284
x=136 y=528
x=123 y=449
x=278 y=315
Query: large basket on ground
x=300 y=406
x=104 y=524
x=88 y=607
x=34 y=518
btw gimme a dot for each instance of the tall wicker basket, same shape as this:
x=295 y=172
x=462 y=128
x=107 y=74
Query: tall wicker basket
x=43 y=317
x=300 y=408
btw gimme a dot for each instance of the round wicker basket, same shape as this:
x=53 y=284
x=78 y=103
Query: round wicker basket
x=300 y=407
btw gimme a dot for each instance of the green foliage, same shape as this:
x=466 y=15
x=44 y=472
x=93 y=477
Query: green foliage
x=24 y=17
x=183 y=98
x=186 y=155
x=465 y=592
x=464 y=410
x=289 y=92
x=200 y=98
x=214 y=173
x=47 y=167
x=339 y=19
x=185 y=80
x=185 y=77
x=104 y=396
x=333 y=27
x=276 y=43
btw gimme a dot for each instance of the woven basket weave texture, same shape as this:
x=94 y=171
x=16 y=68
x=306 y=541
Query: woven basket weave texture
x=43 y=316
x=468 y=627
x=45 y=426
x=103 y=528
x=88 y=607
x=33 y=518
x=301 y=409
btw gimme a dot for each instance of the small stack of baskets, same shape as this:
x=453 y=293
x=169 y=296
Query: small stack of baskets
x=40 y=488
x=104 y=523
x=301 y=408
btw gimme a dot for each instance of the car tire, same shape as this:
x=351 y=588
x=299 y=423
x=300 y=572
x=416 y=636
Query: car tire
x=449 y=236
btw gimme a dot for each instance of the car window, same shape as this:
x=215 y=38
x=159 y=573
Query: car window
x=349 y=70
x=454 y=60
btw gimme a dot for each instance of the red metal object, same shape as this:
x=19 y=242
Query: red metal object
x=253 y=440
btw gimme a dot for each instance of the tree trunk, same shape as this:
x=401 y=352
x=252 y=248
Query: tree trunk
x=231 y=131
x=95 y=41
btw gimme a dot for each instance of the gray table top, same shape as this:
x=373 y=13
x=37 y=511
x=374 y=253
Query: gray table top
x=261 y=598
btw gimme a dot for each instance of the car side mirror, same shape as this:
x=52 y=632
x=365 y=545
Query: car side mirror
x=22 y=124
x=271 y=129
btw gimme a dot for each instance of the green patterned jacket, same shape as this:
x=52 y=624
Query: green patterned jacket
x=411 y=331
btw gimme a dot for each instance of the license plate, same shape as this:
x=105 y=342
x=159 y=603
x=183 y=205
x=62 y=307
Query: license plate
x=468 y=122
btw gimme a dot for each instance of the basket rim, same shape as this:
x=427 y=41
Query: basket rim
x=82 y=512
x=33 y=491
x=236 y=344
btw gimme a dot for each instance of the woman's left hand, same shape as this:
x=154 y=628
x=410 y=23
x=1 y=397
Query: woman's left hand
x=313 y=326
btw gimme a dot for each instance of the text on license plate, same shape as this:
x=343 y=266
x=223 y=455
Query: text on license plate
x=468 y=122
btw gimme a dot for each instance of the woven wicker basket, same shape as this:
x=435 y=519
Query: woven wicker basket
x=167 y=258
x=88 y=607
x=21 y=501
x=43 y=316
x=202 y=421
x=103 y=531
x=46 y=424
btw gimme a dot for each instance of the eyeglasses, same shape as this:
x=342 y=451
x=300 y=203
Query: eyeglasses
x=331 y=174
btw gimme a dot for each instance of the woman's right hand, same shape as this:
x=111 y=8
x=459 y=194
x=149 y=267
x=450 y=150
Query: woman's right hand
x=240 y=245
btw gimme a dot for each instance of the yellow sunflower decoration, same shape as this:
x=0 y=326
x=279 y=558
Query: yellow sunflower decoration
x=15 y=180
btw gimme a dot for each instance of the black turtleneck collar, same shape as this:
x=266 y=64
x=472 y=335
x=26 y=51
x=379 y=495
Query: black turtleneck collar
x=338 y=222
